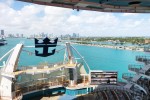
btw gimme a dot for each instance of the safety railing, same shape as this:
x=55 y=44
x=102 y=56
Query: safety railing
x=135 y=68
x=40 y=66
x=128 y=76
x=40 y=86
x=145 y=59
x=19 y=91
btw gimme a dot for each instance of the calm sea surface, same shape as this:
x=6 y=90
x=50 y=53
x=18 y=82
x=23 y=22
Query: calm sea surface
x=96 y=57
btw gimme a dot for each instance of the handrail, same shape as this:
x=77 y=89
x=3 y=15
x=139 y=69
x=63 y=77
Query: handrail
x=39 y=86
x=40 y=66
x=42 y=70
x=37 y=80
x=135 y=66
x=143 y=58
x=6 y=54
x=20 y=91
x=128 y=76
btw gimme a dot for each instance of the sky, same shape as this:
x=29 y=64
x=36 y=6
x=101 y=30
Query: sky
x=28 y=19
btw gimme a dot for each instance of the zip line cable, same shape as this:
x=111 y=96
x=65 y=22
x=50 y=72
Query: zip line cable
x=30 y=53
x=82 y=58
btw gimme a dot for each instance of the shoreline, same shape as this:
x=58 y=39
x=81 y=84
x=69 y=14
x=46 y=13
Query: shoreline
x=130 y=48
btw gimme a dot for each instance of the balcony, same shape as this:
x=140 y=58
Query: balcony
x=135 y=68
x=128 y=76
x=145 y=59
x=147 y=48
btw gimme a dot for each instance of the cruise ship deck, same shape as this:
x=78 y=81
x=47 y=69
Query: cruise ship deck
x=69 y=78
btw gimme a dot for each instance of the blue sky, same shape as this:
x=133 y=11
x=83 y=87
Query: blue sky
x=17 y=5
x=26 y=18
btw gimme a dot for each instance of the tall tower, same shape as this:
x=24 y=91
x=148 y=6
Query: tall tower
x=2 y=32
x=72 y=70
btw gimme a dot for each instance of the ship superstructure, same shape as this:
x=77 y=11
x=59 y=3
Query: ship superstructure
x=139 y=79
x=126 y=6
x=70 y=77
x=16 y=82
x=22 y=83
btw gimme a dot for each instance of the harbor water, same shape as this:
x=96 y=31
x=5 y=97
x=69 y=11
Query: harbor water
x=98 y=58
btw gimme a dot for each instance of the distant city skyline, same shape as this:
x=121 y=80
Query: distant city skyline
x=29 y=19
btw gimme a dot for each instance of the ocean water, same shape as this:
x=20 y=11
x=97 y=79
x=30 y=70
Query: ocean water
x=97 y=58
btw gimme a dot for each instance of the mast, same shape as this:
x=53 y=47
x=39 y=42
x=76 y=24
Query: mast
x=72 y=70
x=70 y=53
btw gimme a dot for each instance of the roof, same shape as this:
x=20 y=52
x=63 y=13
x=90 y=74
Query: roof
x=129 y=6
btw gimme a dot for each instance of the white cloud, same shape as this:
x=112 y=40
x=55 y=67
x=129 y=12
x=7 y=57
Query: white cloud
x=130 y=14
x=32 y=19
x=8 y=2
